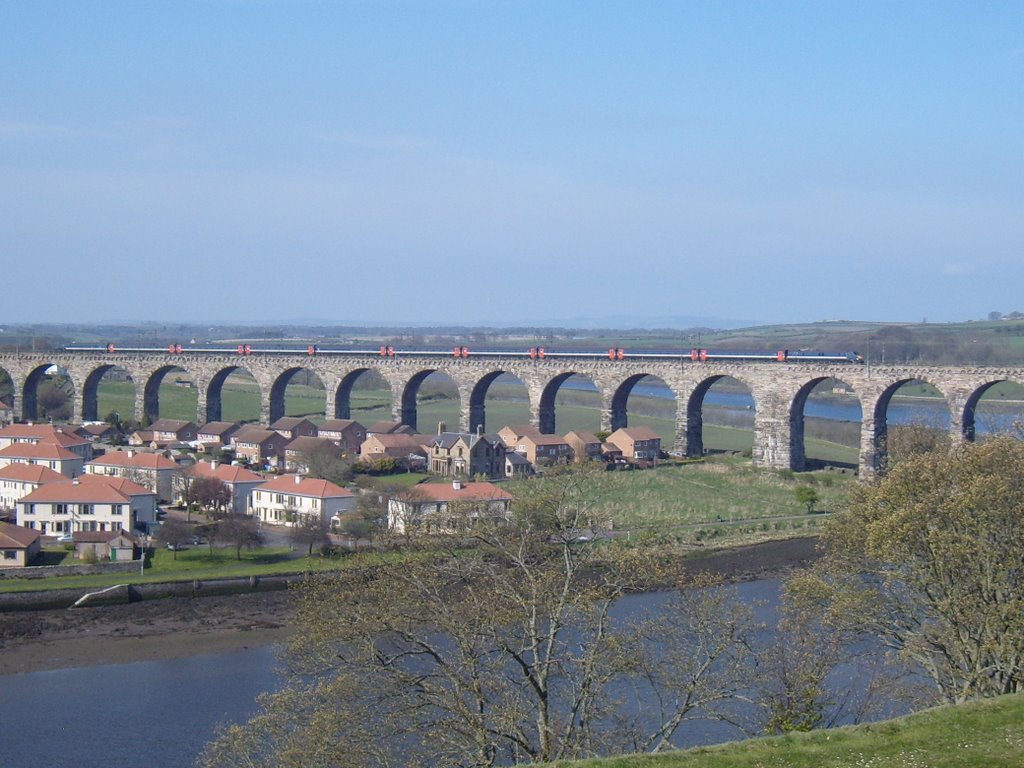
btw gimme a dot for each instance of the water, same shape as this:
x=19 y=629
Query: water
x=154 y=713
x=161 y=713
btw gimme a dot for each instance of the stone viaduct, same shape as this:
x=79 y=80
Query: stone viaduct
x=779 y=389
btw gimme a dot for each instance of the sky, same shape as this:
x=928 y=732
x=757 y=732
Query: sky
x=514 y=163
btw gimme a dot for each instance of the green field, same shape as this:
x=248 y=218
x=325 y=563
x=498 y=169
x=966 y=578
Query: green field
x=721 y=493
x=980 y=734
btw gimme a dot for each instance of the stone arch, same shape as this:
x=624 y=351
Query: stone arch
x=30 y=389
x=880 y=415
x=546 y=418
x=8 y=389
x=620 y=397
x=477 y=417
x=214 y=410
x=280 y=386
x=151 y=390
x=91 y=390
x=797 y=414
x=343 y=391
x=409 y=400
x=968 y=416
x=695 y=410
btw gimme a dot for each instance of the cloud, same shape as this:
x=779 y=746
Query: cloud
x=956 y=270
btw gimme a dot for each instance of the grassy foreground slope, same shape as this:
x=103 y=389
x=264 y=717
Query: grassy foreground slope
x=982 y=734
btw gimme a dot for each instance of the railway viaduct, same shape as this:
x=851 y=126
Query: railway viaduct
x=779 y=389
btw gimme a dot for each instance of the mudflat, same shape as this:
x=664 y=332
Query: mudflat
x=183 y=626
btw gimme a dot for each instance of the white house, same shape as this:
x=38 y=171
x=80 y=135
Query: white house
x=17 y=480
x=447 y=507
x=50 y=455
x=281 y=500
x=239 y=480
x=153 y=470
x=95 y=503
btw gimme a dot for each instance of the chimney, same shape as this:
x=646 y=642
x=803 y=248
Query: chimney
x=213 y=463
x=457 y=484
x=131 y=453
x=298 y=479
x=479 y=429
x=442 y=427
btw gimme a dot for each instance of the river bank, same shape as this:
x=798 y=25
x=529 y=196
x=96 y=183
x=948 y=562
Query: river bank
x=179 y=627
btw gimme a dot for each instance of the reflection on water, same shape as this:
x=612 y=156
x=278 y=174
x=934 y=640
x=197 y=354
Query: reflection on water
x=161 y=713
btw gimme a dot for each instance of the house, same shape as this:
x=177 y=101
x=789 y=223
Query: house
x=285 y=499
x=292 y=427
x=74 y=439
x=18 y=546
x=49 y=455
x=389 y=428
x=258 y=446
x=298 y=451
x=636 y=443
x=18 y=480
x=141 y=437
x=347 y=433
x=447 y=507
x=543 y=450
x=239 y=480
x=100 y=432
x=117 y=546
x=465 y=454
x=510 y=434
x=398 y=446
x=585 y=445
x=217 y=433
x=167 y=431
x=517 y=466
x=151 y=470
x=96 y=503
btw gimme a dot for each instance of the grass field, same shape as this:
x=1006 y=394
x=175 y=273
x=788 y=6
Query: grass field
x=722 y=493
x=981 y=734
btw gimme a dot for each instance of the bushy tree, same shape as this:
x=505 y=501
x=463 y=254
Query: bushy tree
x=930 y=559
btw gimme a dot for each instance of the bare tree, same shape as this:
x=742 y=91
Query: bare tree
x=506 y=653
x=239 y=531
x=174 y=533
x=308 y=531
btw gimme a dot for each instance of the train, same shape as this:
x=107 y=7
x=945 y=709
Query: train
x=533 y=353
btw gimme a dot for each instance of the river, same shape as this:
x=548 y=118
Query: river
x=161 y=713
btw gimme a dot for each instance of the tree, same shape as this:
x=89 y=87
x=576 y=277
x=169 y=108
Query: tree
x=53 y=402
x=212 y=493
x=805 y=494
x=506 y=652
x=326 y=463
x=930 y=559
x=239 y=531
x=309 y=531
x=175 y=533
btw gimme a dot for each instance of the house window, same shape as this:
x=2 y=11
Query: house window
x=60 y=509
x=85 y=509
x=10 y=554
x=117 y=509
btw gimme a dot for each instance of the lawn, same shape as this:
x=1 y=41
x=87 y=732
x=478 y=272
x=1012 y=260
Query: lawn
x=717 y=494
x=981 y=734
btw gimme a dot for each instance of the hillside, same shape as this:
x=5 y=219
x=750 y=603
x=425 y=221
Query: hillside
x=983 y=734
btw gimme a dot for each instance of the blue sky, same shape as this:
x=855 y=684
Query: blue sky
x=519 y=162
